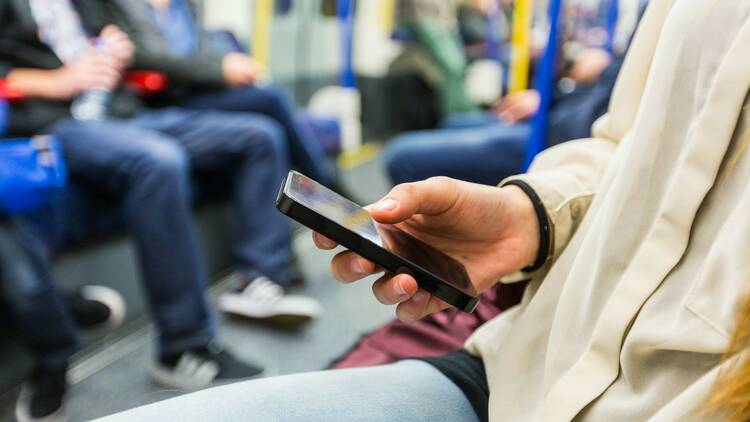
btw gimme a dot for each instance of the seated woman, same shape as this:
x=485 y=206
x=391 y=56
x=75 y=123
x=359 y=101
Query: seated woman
x=636 y=242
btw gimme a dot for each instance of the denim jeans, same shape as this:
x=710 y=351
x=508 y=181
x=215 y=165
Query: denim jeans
x=271 y=100
x=473 y=147
x=147 y=161
x=36 y=308
x=406 y=391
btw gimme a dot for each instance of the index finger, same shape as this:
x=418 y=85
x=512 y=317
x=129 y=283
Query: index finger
x=323 y=242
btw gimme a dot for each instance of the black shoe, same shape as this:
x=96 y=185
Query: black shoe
x=201 y=368
x=95 y=307
x=41 y=399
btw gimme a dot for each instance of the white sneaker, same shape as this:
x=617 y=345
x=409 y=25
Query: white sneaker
x=266 y=300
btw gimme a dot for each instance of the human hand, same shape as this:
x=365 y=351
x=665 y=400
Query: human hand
x=589 y=65
x=118 y=44
x=491 y=231
x=240 y=69
x=91 y=70
x=518 y=106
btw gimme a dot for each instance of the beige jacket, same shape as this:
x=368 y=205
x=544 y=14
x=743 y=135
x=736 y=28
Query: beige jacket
x=651 y=236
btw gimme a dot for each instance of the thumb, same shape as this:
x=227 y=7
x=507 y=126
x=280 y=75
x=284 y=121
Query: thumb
x=433 y=196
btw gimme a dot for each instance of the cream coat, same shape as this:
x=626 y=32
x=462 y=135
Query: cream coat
x=651 y=236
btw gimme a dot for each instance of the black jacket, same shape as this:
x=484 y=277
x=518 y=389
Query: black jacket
x=201 y=70
x=20 y=47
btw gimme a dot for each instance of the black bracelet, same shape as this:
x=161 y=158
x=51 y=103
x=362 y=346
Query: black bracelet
x=544 y=228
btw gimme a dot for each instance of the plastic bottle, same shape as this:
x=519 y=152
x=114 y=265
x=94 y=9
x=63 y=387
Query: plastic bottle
x=91 y=104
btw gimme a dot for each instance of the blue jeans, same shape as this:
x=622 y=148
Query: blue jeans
x=273 y=101
x=36 y=307
x=406 y=391
x=475 y=147
x=147 y=161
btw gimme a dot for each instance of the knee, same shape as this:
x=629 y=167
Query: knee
x=275 y=93
x=399 y=157
x=163 y=159
x=270 y=139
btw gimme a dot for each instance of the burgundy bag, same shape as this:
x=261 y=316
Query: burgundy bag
x=434 y=335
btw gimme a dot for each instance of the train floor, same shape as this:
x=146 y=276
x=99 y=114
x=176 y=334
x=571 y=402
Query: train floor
x=113 y=377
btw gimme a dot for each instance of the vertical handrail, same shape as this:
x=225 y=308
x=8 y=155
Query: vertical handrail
x=345 y=13
x=492 y=35
x=262 y=18
x=387 y=15
x=520 y=45
x=543 y=83
x=613 y=14
x=4 y=117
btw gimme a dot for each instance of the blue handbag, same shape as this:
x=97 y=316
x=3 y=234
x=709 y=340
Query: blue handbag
x=32 y=171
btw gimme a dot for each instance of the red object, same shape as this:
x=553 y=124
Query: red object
x=436 y=335
x=146 y=82
x=9 y=93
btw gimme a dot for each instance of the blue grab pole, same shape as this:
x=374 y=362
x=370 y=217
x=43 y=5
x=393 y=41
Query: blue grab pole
x=613 y=13
x=543 y=83
x=345 y=12
x=4 y=116
x=492 y=34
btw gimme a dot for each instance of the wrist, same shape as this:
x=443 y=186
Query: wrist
x=536 y=224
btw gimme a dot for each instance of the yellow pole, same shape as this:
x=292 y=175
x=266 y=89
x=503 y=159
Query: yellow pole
x=262 y=16
x=387 y=14
x=520 y=45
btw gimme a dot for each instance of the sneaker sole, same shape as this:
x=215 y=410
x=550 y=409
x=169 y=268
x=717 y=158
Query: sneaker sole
x=112 y=300
x=238 y=308
x=167 y=379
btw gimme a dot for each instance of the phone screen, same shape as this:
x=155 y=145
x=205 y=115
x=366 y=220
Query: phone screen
x=354 y=218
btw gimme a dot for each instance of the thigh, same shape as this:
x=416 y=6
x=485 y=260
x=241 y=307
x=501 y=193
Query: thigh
x=211 y=137
x=253 y=98
x=481 y=155
x=105 y=153
x=406 y=391
x=470 y=119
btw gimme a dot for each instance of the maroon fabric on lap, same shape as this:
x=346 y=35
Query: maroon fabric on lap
x=435 y=335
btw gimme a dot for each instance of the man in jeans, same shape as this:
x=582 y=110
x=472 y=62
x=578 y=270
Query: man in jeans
x=145 y=157
x=168 y=38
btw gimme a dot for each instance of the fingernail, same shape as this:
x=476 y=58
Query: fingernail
x=400 y=288
x=357 y=266
x=420 y=297
x=387 y=205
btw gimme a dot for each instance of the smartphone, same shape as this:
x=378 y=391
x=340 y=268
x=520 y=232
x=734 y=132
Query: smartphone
x=351 y=226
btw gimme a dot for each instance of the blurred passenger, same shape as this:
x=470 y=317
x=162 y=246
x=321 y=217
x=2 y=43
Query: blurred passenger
x=145 y=157
x=433 y=26
x=636 y=242
x=169 y=37
x=486 y=147
x=43 y=318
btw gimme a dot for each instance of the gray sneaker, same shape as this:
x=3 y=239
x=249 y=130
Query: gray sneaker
x=265 y=299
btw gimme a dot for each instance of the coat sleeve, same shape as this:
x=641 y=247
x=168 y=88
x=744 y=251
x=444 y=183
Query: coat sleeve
x=566 y=177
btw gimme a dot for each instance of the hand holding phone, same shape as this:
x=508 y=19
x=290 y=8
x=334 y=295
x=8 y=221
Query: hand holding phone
x=490 y=231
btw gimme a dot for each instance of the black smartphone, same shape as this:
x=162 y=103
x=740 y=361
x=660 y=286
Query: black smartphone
x=351 y=226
